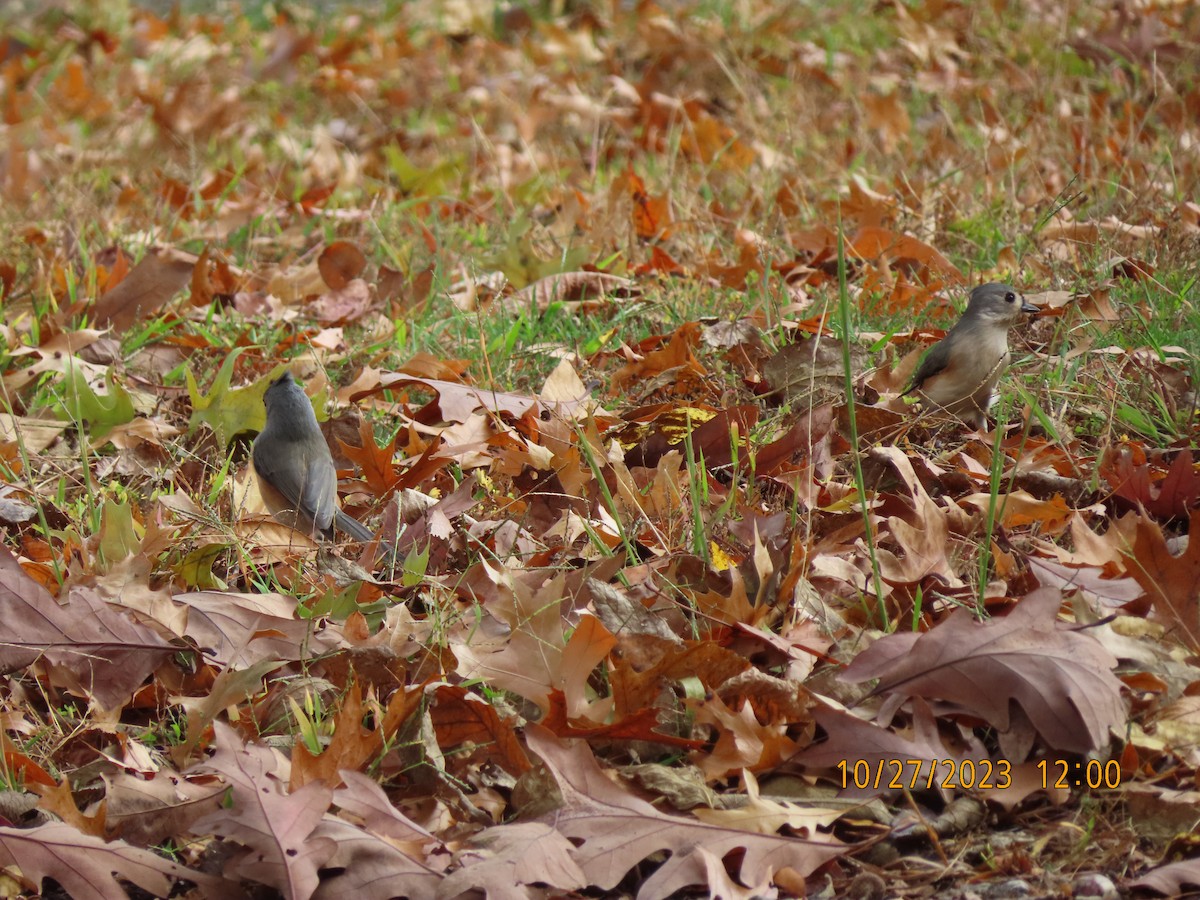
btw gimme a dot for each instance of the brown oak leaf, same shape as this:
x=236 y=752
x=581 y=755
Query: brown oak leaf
x=1060 y=679
x=613 y=830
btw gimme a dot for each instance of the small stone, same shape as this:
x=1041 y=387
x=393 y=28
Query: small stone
x=866 y=886
x=1094 y=886
x=14 y=512
x=1012 y=889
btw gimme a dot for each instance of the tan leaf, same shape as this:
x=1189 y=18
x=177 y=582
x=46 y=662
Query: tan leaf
x=343 y=305
x=1061 y=679
x=517 y=854
x=368 y=866
x=37 y=434
x=141 y=430
x=525 y=647
x=563 y=386
x=615 y=830
x=765 y=816
x=59 y=800
x=243 y=629
x=742 y=741
x=888 y=115
x=275 y=827
x=924 y=540
x=86 y=866
x=458 y=402
x=1172 y=879
x=148 y=811
x=866 y=759
x=573 y=287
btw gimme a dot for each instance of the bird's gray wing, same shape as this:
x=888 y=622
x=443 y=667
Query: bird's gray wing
x=309 y=484
x=935 y=362
x=318 y=493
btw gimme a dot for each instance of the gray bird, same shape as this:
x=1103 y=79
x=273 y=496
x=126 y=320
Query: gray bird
x=294 y=467
x=960 y=371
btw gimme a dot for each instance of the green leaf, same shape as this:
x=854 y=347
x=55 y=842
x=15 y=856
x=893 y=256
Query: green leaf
x=196 y=569
x=336 y=604
x=118 y=537
x=419 y=182
x=415 y=566
x=522 y=262
x=230 y=411
x=100 y=413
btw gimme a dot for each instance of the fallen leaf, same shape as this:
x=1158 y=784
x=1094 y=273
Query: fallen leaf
x=1169 y=581
x=1061 y=679
x=340 y=263
x=614 y=830
x=152 y=283
x=88 y=647
x=88 y=867
x=502 y=861
x=275 y=827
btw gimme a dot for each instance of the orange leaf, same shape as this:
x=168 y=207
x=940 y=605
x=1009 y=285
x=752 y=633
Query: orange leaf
x=636 y=727
x=651 y=215
x=375 y=461
x=660 y=261
x=58 y=799
x=202 y=288
x=677 y=355
x=352 y=745
x=8 y=275
x=874 y=243
x=116 y=274
x=460 y=717
x=18 y=763
x=1170 y=581
x=712 y=141
x=315 y=197
x=711 y=663
x=742 y=741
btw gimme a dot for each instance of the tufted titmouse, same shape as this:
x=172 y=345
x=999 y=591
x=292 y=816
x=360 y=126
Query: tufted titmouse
x=295 y=469
x=960 y=371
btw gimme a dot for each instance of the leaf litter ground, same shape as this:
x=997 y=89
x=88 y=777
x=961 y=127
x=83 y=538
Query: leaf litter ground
x=675 y=617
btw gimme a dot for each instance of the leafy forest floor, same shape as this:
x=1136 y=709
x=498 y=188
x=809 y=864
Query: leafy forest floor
x=606 y=310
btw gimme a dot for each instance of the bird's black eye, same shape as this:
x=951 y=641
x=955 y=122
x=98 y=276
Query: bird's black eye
x=1010 y=297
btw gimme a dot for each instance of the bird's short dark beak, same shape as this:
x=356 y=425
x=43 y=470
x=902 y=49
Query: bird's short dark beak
x=1027 y=307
